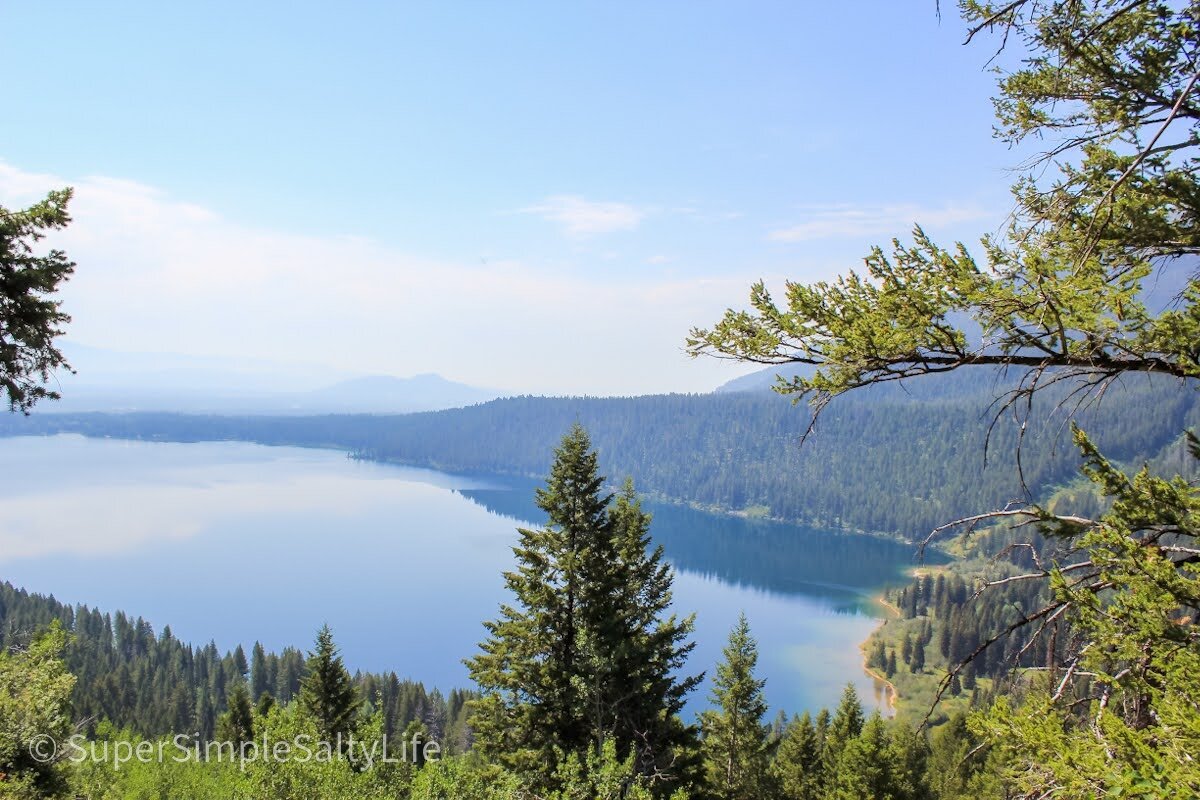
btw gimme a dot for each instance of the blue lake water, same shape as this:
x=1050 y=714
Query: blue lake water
x=238 y=543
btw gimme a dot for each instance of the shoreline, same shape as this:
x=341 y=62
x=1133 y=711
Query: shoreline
x=891 y=694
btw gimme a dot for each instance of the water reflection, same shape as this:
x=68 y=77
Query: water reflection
x=842 y=570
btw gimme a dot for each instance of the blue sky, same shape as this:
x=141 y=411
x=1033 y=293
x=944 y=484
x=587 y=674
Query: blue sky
x=538 y=197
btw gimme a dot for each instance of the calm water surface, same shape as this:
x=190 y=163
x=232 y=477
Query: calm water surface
x=236 y=542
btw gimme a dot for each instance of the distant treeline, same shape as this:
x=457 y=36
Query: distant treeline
x=893 y=459
x=154 y=684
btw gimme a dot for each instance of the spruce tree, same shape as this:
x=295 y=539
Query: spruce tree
x=737 y=745
x=866 y=766
x=636 y=647
x=584 y=655
x=846 y=725
x=237 y=723
x=259 y=678
x=798 y=769
x=327 y=692
x=918 y=655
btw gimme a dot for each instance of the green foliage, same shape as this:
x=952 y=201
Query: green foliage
x=29 y=316
x=1112 y=85
x=328 y=693
x=1106 y=608
x=218 y=773
x=237 y=723
x=799 y=764
x=602 y=775
x=846 y=725
x=737 y=745
x=585 y=656
x=155 y=684
x=462 y=777
x=1131 y=598
x=35 y=717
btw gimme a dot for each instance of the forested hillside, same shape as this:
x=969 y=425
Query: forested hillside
x=153 y=684
x=894 y=459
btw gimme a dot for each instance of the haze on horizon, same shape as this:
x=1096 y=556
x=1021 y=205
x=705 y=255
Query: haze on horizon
x=532 y=198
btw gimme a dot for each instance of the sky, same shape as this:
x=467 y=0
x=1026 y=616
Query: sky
x=531 y=197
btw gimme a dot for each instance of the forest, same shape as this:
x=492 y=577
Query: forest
x=898 y=460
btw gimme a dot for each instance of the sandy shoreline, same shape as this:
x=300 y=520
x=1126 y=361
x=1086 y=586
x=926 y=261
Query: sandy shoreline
x=892 y=695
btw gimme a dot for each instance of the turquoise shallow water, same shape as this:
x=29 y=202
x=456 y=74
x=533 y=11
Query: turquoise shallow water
x=235 y=542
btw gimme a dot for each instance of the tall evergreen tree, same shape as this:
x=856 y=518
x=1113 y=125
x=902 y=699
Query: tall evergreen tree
x=327 y=692
x=798 y=768
x=260 y=681
x=584 y=655
x=237 y=723
x=847 y=724
x=865 y=766
x=737 y=745
x=636 y=647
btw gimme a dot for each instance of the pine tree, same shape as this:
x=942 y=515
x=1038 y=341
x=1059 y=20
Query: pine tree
x=847 y=723
x=240 y=665
x=635 y=647
x=890 y=668
x=864 y=767
x=968 y=679
x=584 y=656
x=237 y=723
x=327 y=692
x=259 y=678
x=30 y=316
x=798 y=768
x=823 y=723
x=737 y=745
x=918 y=655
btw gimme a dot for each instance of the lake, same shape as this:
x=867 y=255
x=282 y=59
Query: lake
x=236 y=542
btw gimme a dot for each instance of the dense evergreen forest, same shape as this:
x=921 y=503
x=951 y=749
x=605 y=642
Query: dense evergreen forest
x=891 y=459
x=152 y=684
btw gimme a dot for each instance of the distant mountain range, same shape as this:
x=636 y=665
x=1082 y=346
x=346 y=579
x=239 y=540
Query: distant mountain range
x=126 y=382
x=763 y=379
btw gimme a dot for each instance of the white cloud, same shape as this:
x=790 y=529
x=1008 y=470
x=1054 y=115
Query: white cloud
x=844 y=221
x=580 y=217
x=159 y=275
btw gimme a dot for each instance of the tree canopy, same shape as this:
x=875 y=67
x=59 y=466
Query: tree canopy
x=1110 y=86
x=588 y=656
x=30 y=316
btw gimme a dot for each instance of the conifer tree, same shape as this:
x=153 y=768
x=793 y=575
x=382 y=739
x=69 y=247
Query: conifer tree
x=865 y=767
x=737 y=745
x=584 y=656
x=259 y=679
x=30 y=317
x=798 y=768
x=327 y=692
x=634 y=646
x=237 y=723
x=847 y=723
